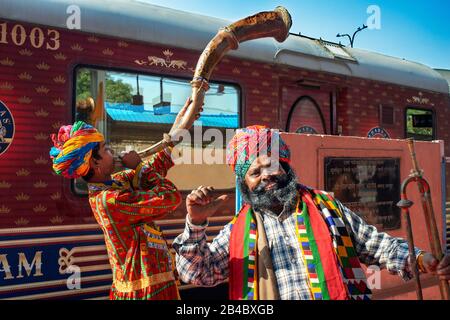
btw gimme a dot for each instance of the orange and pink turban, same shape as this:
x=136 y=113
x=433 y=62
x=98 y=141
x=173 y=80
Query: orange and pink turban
x=249 y=143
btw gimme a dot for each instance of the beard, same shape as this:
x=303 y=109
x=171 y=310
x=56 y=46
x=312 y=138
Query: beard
x=284 y=192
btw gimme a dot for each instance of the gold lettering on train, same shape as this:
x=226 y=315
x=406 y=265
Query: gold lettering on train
x=18 y=35
x=37 y=37
x=3 y=33
x=36 y=264
x=54 y=38
x=4 y=267
x=24 y=264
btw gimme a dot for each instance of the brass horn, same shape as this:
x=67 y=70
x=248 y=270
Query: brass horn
x=274 y=24
x=430 y=221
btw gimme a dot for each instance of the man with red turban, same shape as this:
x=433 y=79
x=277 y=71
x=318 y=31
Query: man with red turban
x=125 y=204
x=288 y=241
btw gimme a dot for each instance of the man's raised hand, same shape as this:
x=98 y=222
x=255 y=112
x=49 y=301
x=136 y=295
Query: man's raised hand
x=201 y=205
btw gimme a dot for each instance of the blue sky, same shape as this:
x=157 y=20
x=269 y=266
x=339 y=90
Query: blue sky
x=415 y=30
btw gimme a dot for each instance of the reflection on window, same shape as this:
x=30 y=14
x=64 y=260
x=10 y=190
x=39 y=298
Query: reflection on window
x=134 y=110
x=420 y=124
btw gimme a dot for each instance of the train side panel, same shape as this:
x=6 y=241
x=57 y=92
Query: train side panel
x=43 y=223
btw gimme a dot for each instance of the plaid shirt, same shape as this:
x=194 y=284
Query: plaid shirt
x=206 y=264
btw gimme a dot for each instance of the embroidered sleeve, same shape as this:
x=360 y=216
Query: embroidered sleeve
x=199 y=262
x=161 y=199
x=378 y=248
x=144 y=175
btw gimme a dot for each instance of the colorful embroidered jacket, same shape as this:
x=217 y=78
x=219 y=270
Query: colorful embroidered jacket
x=125 y=208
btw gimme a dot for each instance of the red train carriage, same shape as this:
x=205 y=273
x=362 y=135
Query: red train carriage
x=60 y=62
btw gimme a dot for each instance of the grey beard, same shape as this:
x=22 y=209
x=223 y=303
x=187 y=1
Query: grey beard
x=285 y=193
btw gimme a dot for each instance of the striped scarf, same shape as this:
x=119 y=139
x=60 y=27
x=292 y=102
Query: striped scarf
x=333 y=268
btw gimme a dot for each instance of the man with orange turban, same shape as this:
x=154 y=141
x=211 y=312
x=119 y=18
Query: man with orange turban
x=288 y=241
x=125 y=204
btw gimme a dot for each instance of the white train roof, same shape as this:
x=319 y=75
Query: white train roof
x=131 y=19
x=446 y=74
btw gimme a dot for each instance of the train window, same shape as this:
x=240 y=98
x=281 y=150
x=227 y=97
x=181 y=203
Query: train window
x=134 y=110
x=387 y=115
x=420 y=124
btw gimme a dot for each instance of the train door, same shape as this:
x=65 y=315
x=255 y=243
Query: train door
x=308 y=109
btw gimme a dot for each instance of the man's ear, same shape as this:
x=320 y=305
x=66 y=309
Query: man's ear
x=93 y=163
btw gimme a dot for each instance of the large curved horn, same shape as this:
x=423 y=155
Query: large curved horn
x=274 y=24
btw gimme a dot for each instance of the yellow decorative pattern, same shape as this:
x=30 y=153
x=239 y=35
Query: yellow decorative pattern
x=39 y=208
x=25 y=76
x=41 y=113
x=22 y=197
x=108 y=52
x=60 y=56
x=26 y=52
x=130 y=286
x=6 y=86
x=7 y=62
x=167 y=53
x=59 y=79
x=25 y=100
x=5 y=185
x=77 y=47
x=56 y=196
x=42 y=89
x=43 y=66
x=93 y=39
x=57 y=125
x=164 y=62
x=4 y=209
x=22 y=221
x=41 y=160
x=22 y=172
x=420 y=99
x=57 y=220
x=40 y=184
x=59 y=102
x=41 y=136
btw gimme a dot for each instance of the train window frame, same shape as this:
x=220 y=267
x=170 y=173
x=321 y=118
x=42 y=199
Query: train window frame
x=240 y=100
x=434 y=121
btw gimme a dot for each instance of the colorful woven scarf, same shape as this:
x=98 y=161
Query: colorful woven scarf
x=333 y=268
x=73 y=148
x=243 y=254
